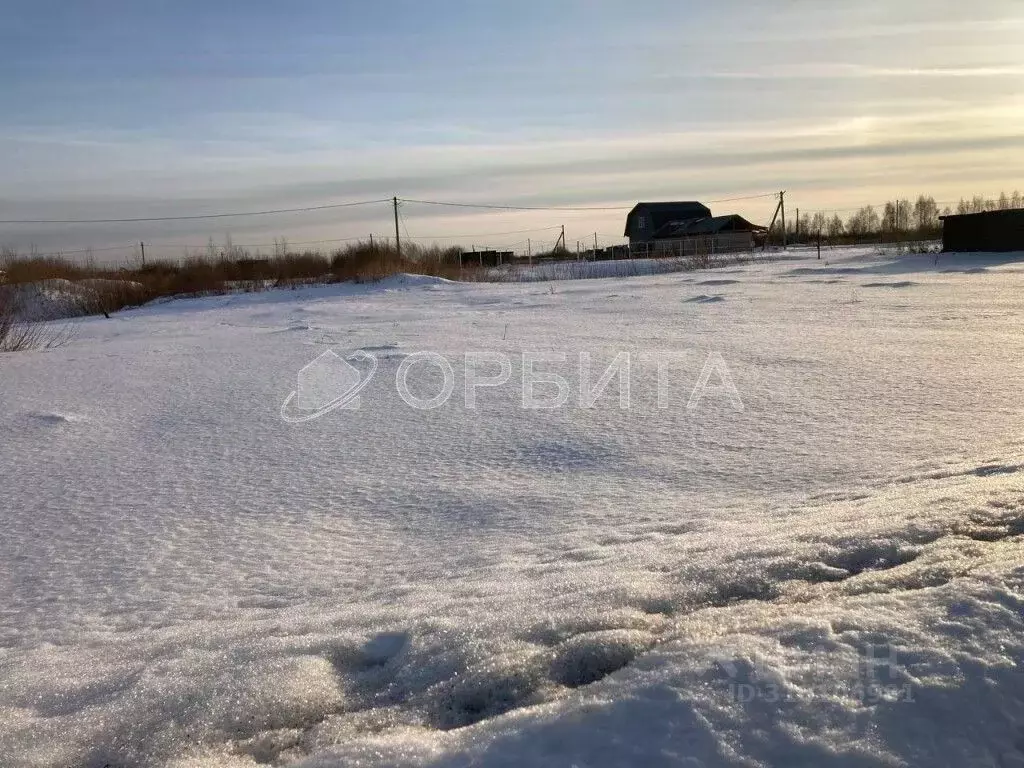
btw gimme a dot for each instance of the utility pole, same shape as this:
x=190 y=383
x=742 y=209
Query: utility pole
x=398 y=242
x=797 y=225
x=782 y=207
x=561 y=238
x=371 y=241
x=595 y=246
x=142 y=247
x=529 y=252
x=577 y=250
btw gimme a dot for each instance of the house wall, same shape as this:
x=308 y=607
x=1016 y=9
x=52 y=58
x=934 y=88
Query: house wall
x=638 y=233
x=996 y=231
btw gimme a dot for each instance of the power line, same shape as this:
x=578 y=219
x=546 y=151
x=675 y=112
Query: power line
x=748 y=197
x=187 y=246
x=98 y=250
x=334 y=206
x=194 y=217
x=485 y=234
x=509 y=207
x=271 y=245
x=491 y=207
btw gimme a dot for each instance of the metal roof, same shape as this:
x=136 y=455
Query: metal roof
x=996 y=212
x=669 y=211
x=708 y=225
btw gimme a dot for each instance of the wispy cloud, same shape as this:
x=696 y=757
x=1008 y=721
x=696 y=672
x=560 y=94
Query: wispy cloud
x=836 y=70
x=837 y=103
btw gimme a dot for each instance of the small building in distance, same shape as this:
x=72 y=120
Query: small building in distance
x=487 y=258
x=685 y=228
x=991 y=231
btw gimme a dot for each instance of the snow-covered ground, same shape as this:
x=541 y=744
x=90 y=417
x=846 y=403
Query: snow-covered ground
x=831 y=575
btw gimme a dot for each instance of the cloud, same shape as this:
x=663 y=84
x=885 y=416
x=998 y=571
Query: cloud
x=841 y=71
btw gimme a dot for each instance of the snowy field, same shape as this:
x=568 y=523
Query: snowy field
x=831 y=574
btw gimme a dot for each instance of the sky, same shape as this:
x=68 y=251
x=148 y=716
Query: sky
x=153 y=108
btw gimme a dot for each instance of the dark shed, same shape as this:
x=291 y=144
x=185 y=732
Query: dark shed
x=991 y=231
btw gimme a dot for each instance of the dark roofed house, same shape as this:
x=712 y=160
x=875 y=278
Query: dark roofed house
x=991 y=231
x=647 y=218
x=685 y=228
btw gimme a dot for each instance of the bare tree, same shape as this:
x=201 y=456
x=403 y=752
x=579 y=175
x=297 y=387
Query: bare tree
x=864 y=222
x=818 y=224
x=835 y=227
x=926 y=214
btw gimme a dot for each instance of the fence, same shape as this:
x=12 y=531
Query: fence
x=698 y=245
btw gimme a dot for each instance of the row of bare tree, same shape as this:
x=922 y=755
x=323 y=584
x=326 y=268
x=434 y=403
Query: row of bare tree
x=897 y=218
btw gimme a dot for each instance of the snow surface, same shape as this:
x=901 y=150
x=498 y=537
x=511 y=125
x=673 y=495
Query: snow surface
x=833 y=575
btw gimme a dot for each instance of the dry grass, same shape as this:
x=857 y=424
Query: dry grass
x=18 y=335
x=367 y=262
x=103 y=290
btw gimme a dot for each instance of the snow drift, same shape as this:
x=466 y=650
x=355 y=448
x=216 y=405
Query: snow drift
x=833 y=575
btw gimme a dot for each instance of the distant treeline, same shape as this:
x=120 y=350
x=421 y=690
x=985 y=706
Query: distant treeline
x=896 y=220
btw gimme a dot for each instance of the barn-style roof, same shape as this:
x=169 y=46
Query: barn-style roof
x=663 y=213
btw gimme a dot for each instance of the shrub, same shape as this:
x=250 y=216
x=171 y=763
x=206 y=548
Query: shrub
x=98 y=290
x=17 y=334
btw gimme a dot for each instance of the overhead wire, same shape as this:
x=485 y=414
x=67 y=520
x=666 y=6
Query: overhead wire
x=493 y=207
x=486 y=234
x=195 y=217
x=324 y=207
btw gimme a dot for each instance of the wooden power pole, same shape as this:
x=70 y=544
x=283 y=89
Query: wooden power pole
x=775 y=217
x=398 y=241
